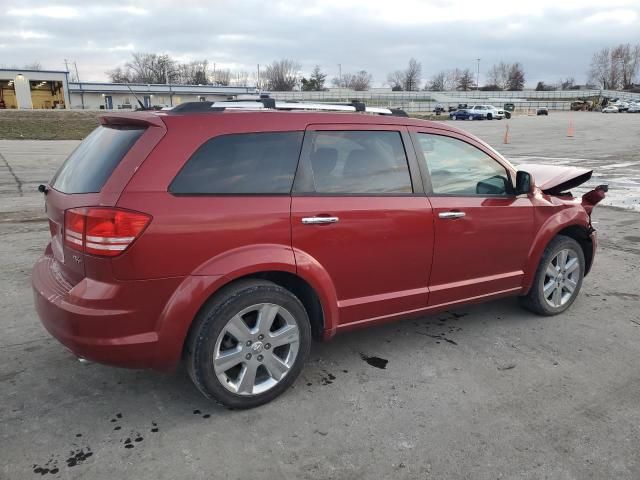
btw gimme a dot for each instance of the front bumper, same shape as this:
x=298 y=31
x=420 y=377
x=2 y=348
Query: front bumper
x=109 y=322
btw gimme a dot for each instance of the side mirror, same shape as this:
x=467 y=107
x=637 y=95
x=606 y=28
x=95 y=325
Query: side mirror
x=523 y=183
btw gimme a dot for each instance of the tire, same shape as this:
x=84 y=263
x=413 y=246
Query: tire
x=489 y=116
x=212 y=336
x=558 y=296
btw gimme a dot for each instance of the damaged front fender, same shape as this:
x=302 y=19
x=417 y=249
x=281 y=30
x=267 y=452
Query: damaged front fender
x=593 y=197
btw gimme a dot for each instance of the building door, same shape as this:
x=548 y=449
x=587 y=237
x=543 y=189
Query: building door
x=147 y=101
x=108 y=102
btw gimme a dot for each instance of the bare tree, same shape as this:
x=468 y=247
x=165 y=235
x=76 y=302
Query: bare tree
x=193 y=73
x=221 y=77
x=396 y=80
x=358 y=81
x=499 y=75
x=119 y=75
x=412 y=76
x=147 y=68
x=566 y=84
x=516 y=77
x=282 y=75
x=33 y=66
x=452 y=79
x=600 y=69
x=240 y=78
x=466 y=81
x=627 y=59
x=437 y=82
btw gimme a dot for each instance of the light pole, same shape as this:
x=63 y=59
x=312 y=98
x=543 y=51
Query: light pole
x=478 y=77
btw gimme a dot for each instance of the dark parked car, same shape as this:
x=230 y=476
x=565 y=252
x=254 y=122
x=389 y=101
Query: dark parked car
x=542 y=111
x=467 y=114
x=229 y=236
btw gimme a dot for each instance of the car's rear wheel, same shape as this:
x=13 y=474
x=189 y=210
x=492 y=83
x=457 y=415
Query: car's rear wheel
x=489 y=116
x=558 y=277
x=248 y=344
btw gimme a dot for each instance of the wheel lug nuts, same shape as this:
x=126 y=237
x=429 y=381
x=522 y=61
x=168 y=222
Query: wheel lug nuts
x=248 y=356
x=260 y=358
x=260 y=337
x=248 y=343
x=267 y=346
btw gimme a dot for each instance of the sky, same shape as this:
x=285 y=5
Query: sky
x=553 y=39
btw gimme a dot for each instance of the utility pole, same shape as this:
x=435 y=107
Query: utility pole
x=66 y=65
x=340 y=75
x=258 y=79
x=478 y=77
x=214 y=73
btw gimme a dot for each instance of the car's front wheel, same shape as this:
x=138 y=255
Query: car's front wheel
x=558 y=277
x=248 y=344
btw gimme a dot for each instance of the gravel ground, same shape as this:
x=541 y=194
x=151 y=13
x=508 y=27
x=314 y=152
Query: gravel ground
x=485 y=392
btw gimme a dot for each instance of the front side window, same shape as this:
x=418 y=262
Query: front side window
x=457 y=168
x=356 y=162
x=248 y=163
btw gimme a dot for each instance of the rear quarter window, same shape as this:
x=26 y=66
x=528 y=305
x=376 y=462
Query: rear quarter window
x=236 y=164
x=91 y=164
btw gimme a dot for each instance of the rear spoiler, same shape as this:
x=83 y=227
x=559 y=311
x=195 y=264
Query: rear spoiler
x=142 y=119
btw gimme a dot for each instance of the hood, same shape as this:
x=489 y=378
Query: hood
x=554 y=179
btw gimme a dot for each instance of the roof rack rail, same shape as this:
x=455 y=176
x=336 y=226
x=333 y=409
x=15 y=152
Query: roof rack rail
x=264 y=102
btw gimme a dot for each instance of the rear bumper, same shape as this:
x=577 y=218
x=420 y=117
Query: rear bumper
x=109 y=322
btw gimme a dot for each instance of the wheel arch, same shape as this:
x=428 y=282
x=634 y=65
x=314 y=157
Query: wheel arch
x=286 y=279
x=573 y=226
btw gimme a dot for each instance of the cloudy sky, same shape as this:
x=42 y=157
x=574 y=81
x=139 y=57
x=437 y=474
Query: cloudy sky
x=551 y=38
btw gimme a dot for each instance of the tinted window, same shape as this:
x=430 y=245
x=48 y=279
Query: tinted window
x=92 y=163
x=262 y=163
x=457 y=168
x=357 y=162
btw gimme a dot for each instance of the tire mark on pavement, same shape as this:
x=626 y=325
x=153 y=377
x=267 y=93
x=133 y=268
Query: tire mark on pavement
x=13 y=174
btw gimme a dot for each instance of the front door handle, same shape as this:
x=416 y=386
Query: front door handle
x=319 y=220
x=451 y=215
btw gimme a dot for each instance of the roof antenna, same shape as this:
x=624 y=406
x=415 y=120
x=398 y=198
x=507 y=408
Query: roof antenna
x=142 y=107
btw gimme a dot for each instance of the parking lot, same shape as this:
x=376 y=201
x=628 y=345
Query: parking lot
x=484 y=392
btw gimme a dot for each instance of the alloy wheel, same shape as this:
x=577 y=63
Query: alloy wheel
x=561 y=278
x=256 y=349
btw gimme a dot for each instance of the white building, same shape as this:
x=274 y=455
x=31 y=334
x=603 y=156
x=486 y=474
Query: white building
x=118 y=96
x=44 y=89
x=29 y=89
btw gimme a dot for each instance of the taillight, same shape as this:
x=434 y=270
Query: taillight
x=105 y=232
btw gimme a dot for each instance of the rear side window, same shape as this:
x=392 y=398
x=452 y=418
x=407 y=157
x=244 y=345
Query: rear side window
x=356 y=162
x=91 y=164
x=249 y=163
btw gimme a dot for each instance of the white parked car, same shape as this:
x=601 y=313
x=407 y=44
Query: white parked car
x=489 y=111
x=610 y=109
x=634 y=108
x=621 y=106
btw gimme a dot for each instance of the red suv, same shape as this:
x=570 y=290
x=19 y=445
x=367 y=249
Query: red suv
x=232 y=237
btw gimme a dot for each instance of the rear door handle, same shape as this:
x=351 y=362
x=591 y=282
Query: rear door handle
x=319 y=220
x=451 y=215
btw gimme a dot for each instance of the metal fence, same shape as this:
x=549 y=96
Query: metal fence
x=425 y=101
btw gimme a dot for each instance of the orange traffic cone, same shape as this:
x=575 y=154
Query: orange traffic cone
x=506 y=134
x=570 y=129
